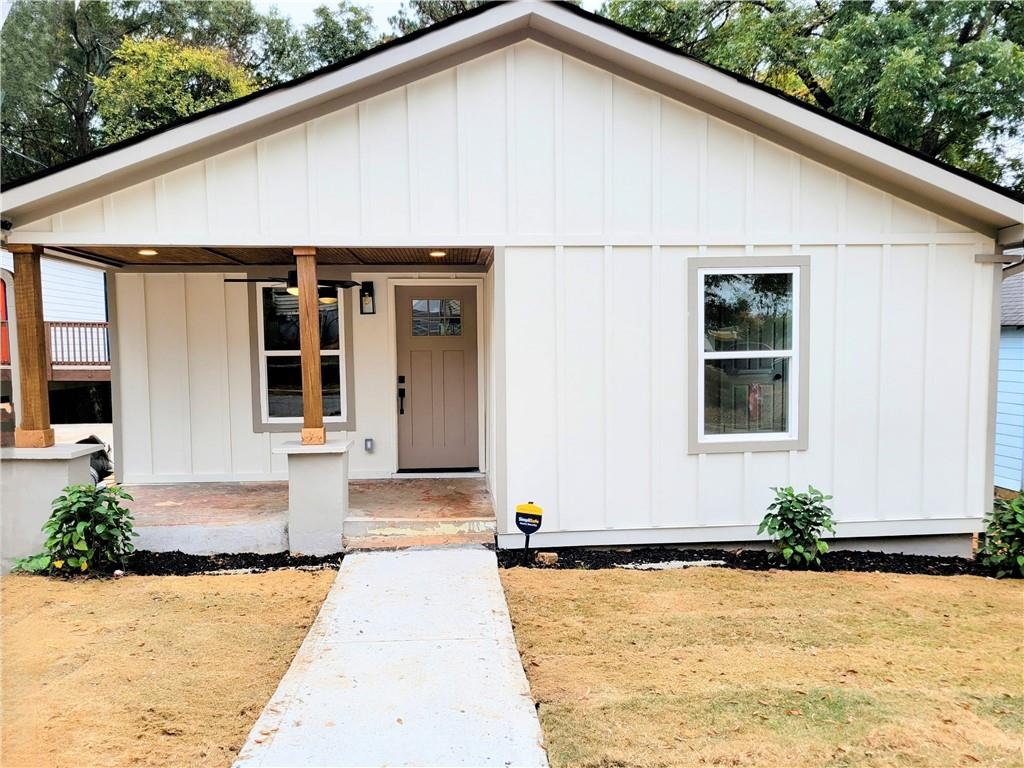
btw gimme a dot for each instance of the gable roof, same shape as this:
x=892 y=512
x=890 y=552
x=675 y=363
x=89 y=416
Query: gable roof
x=772 y=114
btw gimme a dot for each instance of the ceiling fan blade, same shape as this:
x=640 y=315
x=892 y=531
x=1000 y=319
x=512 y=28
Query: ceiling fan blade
x=339 y=283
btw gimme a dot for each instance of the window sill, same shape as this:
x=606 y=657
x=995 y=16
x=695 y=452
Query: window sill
x=748 y=446
x=296 y=426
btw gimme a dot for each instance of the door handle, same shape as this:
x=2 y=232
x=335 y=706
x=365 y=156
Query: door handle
x=401 y=401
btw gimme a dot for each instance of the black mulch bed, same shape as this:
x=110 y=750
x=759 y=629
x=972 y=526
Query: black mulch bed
x=179 y=564
x=746 y=559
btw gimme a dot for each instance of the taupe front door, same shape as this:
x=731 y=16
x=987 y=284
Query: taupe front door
x=437 y=416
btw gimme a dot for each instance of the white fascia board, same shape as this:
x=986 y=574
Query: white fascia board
x=922 y=180
x=230 y=127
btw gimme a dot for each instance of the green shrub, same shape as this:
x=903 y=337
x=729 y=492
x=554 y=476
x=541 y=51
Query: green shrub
x=88 y=529
x=1003 y=550
x=795 y=522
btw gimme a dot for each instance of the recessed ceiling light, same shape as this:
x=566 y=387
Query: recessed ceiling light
x=147 y=252
x=438 y=254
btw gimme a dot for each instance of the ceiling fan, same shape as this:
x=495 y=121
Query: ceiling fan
x=291 y=283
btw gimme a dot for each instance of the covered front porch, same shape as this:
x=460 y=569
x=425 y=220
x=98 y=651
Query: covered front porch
x=249 y=384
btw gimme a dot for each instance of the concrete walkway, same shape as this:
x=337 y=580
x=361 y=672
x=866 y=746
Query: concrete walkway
x=411 y=662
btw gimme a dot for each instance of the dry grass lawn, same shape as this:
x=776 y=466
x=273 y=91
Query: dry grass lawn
x=145 y=670
x=724 y=667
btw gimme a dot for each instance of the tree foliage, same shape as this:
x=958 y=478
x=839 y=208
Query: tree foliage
x=154 y=82
x=418 y=14
x=943 y=78
x=54 y=52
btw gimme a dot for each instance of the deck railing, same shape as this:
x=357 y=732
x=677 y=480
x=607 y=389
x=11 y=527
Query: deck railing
x=78 y=345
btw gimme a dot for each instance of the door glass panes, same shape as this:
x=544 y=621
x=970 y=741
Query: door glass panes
x=436 y=317
x=281 y=321
x=746 y=395
x=284 y=386
x=745 y=312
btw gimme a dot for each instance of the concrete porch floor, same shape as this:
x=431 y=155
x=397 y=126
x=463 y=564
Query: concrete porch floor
x=212 y=518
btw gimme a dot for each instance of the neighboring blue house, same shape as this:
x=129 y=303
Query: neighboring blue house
x=1009 y=464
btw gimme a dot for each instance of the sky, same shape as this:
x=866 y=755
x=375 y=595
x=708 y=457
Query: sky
x=301 y=11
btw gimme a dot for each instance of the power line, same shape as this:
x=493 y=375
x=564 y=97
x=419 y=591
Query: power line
x=22 y=154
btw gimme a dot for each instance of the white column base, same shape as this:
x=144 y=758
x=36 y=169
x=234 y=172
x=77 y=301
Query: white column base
x=317 y=495
x=30 y=479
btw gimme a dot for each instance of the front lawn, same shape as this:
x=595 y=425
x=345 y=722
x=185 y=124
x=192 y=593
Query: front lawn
x=729 y=667
x=145 y=670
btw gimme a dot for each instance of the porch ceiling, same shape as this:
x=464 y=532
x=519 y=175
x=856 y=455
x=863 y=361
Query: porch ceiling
x=233 y=257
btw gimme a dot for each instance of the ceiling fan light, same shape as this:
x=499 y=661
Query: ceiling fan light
x=147 y=251
x=438 y=254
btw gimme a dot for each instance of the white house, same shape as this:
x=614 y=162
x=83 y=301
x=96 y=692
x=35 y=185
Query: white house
x=627 y=286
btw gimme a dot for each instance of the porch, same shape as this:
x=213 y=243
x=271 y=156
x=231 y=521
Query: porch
x=243 y=367
x=214 y=518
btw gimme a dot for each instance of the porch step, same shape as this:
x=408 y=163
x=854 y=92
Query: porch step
x=403 y=532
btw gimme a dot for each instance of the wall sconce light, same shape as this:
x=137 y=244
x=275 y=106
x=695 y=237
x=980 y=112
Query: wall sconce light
x=367 y=301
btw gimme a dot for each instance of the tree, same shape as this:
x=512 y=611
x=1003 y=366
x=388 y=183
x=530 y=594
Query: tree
x=422 y=13
x=339 y=33
x=946 y=79
x=154 y=82
x=50 y=53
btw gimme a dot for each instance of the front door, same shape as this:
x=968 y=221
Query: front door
x=437 y=377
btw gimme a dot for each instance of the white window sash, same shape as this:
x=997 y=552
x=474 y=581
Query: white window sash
x=792 y=354
x=268 y=353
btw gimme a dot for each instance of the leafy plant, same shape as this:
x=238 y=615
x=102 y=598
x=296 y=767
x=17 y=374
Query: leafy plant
x=88 y=529
x=795 y=522
x=1003 y=550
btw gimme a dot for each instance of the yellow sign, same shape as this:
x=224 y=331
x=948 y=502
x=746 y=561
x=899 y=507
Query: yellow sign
x=529 y=509
x=528 y=518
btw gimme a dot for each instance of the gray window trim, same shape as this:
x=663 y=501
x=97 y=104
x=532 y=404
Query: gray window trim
x=799 y=443
x=258 y=424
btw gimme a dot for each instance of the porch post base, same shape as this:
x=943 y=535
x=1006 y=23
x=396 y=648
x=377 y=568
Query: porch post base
x=32 y=478
x=314 y=436
x=317 y=496
x=33 y=438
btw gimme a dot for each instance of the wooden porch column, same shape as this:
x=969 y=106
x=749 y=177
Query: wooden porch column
x=34 y=429
x=309 y=346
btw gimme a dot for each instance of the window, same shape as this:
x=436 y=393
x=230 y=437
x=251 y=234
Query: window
x=436 y=317
x=279 y=359
x=749 y=354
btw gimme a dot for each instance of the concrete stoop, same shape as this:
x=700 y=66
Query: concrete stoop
x=411 y=662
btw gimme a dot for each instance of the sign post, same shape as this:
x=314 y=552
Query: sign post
x=528 y=519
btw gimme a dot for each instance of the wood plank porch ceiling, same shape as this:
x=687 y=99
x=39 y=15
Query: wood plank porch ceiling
x=230 y=256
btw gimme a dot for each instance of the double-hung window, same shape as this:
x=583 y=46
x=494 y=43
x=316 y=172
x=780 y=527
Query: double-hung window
x=750 y=354
x=279 y=358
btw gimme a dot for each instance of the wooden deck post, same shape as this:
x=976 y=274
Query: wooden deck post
x=309 y=345
x=34 y=429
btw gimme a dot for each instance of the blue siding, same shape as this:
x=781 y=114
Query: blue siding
x=1009 y=464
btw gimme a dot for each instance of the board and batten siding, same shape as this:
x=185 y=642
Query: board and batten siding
x=597 y=393
x=184 y=373
x=595 y=191
x=523 y=146
x=1009 y=461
